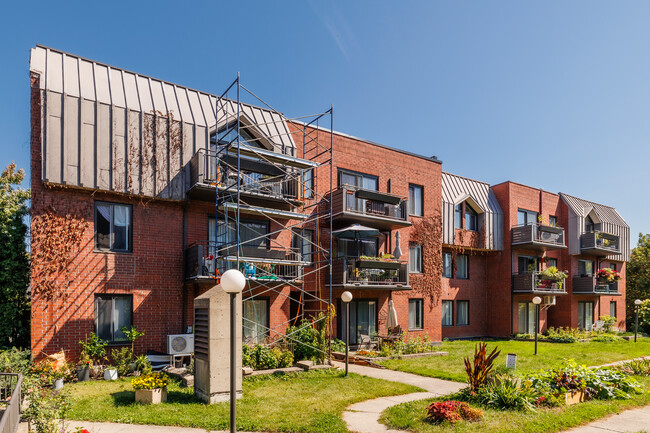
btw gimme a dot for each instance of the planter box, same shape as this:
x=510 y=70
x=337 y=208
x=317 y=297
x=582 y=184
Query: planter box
x=574 y=397
x=83 y=373
x=151 y=396
x=376 y=264
x=110 y=374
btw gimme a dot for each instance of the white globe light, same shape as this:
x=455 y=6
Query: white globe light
x=346 y=296
x=233 y=281
x=537 y=300
x=637 y=302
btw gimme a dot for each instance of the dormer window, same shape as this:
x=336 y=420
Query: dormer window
x=465 y=216
x=471 y=218
x=458 y=216
x=589 y=224
x=228 y=135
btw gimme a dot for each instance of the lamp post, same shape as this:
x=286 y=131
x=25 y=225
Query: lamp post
x=346 y=297
x=233 y=282
x=637 y=302
x=536 y=300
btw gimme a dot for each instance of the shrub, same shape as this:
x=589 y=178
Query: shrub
x=478 y=372
x=143 y=365
x=15 y=360
x=507 y=393
x=94 y=347
x=46 y=409
x=452 y=411
x=122 y=359
x=609 y=323
x=564 y=335
x=284 y=358
x=639 y=367
x=644 y=317
x=606 y=338
x=469 y=413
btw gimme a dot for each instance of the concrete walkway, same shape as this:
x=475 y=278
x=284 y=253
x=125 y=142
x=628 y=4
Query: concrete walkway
x=364 y=417
x=111 y=427
x=633 y=420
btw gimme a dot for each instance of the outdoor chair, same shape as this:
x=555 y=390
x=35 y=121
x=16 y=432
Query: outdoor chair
x=598 y=325
x=366 y=342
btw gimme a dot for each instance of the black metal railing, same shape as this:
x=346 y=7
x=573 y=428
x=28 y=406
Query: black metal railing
x=538 y=234
x=592 y=284
x=206 y=168
x=353 y=271
x=347 y=199
x=534 y=282
x=10 y=400
x=205 y=260
x=597 y=241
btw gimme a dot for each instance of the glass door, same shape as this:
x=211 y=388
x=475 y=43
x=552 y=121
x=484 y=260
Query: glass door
x=363 y=319
x=585 y=315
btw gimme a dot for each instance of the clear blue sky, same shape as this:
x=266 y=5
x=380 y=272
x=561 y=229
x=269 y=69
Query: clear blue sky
x=550 y=94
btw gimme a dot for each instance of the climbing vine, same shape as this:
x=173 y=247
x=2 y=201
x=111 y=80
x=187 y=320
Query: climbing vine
x=428 y=233
x=56 y=240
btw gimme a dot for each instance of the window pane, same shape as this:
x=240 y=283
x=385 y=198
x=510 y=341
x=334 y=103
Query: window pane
x=121 y=223
x=415 y=313
x=612 y=266
x=122 y=316
x=446 y=265
x=103 y=226
x=350 y=179
x=447 y=315
x=461 y=266
x=612 y=308
x=370 y=183
x=415 y=200
x=255 y=320
x=462 y=313
x=104 y=308
x=523 y=317
x=458 y=216
x=309 y=183
x=415 y=258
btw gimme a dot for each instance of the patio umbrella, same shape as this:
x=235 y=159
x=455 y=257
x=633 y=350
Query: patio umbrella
x=356 y=232
x=397 y=252
x=391 y=321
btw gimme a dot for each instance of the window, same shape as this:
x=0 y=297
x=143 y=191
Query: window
x=552 y=220
x=302 y=243
x=585 y=268
x=612 y=266
x=447 y=313
x=612 y=308
x=526 y=264
x=551 y=262
x=348 y=248
x=113 y=227
x=589 y=224
x=526 y=317
x=416 y=307
x=358 y=180
x=255 y=320
x=526 y=217
x=447 y=267
x=462 y=264
x=112 y=312
x=415 y=200
x=471 y=218
x=585 y=315
x=415 y=258
x=308 y=181
x=252 y=234
x=228 y=135
x=462 y=313
x=458 y=216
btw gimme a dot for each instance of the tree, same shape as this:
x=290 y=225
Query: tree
x=638 y=276
x=14 y=260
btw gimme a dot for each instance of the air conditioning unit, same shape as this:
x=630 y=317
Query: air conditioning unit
x=180 y=344
x=209 y=266
x=549 y=300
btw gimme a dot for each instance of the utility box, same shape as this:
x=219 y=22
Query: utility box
x=212 y=346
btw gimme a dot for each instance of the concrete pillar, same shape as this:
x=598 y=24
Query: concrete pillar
x=212 y=345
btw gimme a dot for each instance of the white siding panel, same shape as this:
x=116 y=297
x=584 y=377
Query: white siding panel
x=70 y=76
x=208 y=113
x=157 y=95
x=71 y=140
x=87 y=80
x=54 y=108
x=148 y=155
x=201 y=137
x=103 y=146
x=133 y=120
x=188 y=142
x=184 y=105
x=101 y=84
x=175 y=156
x=87 y=169
x=131 y=91
x=37 y=63
x=117 y=88
x=170 y=100
x=162 y=162
x=54 y=73
x=119 y=153
x=144 y=93
x=195 y=106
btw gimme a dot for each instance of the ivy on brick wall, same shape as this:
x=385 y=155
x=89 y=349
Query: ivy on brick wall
x=428 y=233
x=56 y=241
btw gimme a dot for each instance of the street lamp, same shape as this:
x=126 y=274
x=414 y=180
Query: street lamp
x=346 y=297
x=536 y=300
x=637 y=302
x=233 y=282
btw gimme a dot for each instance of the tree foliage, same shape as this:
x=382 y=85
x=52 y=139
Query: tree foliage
x=14 y=259
x=638 y=276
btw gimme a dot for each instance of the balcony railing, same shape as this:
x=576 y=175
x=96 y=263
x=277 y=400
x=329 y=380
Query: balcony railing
x=590 y=284
x=538 y=236
x=373 y=207
x=10 y=400
x=353 y=272
x=204 y=261
x=206 y=171
x=533 y=282
x=600 y=243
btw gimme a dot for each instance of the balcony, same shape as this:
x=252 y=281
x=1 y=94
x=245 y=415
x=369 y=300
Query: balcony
x=599 y=243
x=202 y=263
x=591 y=285
x=536 y=284
x=353 y=273
x=538 y=237
x=261 y=184
x=381 y=210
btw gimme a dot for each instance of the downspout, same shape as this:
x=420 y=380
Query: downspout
x=183 y=288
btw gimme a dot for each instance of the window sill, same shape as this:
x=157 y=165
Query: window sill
x=416 y=329
x=460 y=278
x=111 y=251
x=447 y=326
x=467 y=324
x=416 y=272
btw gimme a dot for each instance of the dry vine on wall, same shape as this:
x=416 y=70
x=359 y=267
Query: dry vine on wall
x=428 y=233
x=56 y=240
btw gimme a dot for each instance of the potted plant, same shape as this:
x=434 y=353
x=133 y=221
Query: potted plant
x=58 y=376
x=83 y=367
x=110 y=373
x=95 y=349
x=607 y=275
x=552 y=277
x=151 y=388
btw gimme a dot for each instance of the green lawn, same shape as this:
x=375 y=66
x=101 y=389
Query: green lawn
x=549 y=355
x=412 y=416
x=302 y=402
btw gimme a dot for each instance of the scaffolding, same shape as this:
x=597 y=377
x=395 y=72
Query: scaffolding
x=273 y=177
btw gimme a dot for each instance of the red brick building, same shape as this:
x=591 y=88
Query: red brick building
x=135 y=162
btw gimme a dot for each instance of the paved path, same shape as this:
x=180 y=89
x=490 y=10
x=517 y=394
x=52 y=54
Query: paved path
x=364 y=417
x=111 y=427
x=633 y=420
